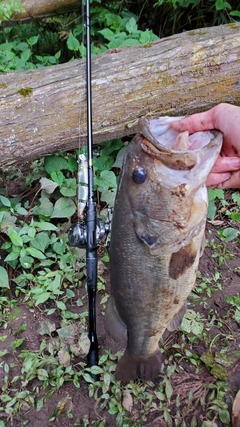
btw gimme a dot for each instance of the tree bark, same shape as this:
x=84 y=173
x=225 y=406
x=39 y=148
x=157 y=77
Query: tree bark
x=43 y=111
x=43 y=8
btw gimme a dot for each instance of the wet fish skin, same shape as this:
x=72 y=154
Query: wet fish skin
x=157 y=232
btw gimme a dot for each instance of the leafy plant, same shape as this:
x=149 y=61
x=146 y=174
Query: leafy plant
x=235 y=303
x=8 y=7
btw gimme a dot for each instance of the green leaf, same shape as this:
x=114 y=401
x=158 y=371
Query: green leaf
x=224 y=416
x=15 y=238
x=229 y=234
x=119 y=159
x=237 y=315
x=211 y=209
x=58 y=177
x=39 y=404
x=236 y=196
x=12 y=256
x=54 y=163
x=107 y=34
x=129 y=42
x=111 y=146
x=57 y=55
x=43 y=297
x=72 y=42
x=17 y=343
x=5 y=201
x=45 y=208
x=22 y=46
x=103 y=162
x=215 y=193
x=48 y=185
x=3 y=352
x=26 y=261
x=41 y=241
x=4 y=283
x=131 y=26
x=46 y=226
x=72 y=164
x=220 y=5
x=69 y=187
x=20 y=210
x=61 y=305
x=35 y=253
x=33 y=40
x=42 y=374
x=168 y=388
x=109 y=197
x=95 y=370
x=235 y=13
x=106 y=179
x=63 y=208
x=147 y=36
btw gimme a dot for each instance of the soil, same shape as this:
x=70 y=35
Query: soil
x=184 y=381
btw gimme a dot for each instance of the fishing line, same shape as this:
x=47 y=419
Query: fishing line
x=82 y=94
x=82 y=175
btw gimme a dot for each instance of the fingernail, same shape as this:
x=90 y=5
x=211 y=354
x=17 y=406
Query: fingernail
x=235 y=162
x=225 y=176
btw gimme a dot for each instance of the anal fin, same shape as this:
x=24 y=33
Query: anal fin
x=177 y=320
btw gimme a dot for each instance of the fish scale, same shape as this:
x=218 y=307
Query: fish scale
x=156 y=240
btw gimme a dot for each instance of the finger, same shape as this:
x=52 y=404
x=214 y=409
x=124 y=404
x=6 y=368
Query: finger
x=214 y=179
x=226 y=164
x=232 y=182
x=195 y=123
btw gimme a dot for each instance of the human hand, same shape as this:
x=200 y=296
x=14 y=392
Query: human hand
x=226 y=118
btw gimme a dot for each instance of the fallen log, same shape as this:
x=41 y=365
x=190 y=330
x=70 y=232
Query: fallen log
x=41 y=109
x=44 y=8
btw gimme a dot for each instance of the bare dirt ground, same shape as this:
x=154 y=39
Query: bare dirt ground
x=189 y=395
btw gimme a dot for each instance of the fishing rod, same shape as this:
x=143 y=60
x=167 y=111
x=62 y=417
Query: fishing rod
x=89 y=230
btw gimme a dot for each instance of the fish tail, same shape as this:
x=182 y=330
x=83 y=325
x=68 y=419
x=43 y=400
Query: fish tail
x=129 y=368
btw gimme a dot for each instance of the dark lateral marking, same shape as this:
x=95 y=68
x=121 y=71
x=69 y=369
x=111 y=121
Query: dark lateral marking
x=182 y=260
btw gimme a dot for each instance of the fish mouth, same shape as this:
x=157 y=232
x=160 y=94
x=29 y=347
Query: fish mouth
x=174 y=149
x=170 y=159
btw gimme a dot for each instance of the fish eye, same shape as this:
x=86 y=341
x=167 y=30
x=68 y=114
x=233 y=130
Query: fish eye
x=139 y=175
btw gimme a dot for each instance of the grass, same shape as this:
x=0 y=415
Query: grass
x=47 y=283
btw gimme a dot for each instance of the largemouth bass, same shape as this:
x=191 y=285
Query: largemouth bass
x=156 y=240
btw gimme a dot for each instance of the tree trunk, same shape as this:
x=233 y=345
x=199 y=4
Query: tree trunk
x=43 y=110
x=43 y=8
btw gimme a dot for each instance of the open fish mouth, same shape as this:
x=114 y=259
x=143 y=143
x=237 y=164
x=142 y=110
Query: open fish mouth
x=176 y=150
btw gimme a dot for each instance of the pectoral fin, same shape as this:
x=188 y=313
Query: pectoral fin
x=182 y=260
